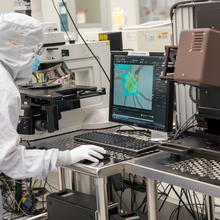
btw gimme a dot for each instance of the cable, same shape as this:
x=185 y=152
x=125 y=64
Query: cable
x=13 y=206
x=196 y=198
x=165 y=197
x=21 y=200
x=190 y=211
x=14 y=198
x=173 y=213
x=61 y=21
x=184 y=126
x=179 y=206
x=191 y=125
x=6 y=195
x=85 y=41
x=52 y=187
x=141 y=204
x=190 y=203
x=160 y=184
x=191 y=95
x=133 y=196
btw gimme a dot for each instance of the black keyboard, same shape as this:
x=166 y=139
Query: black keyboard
x=116 y=142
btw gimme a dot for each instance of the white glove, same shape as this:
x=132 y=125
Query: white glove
x=84 y=152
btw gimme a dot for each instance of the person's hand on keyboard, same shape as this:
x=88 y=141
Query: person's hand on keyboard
x=84 y=152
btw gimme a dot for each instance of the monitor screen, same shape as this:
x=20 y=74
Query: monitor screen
x=137 y=95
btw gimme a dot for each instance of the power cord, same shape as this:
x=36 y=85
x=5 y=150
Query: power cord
x=13 y=200
x=29 y=200
x=192 y=205
x=167 y=195
x=180 y=198
x=185 y=126
x=77 y=30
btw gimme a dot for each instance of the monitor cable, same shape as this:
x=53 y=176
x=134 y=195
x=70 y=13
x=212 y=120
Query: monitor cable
x=77 y=30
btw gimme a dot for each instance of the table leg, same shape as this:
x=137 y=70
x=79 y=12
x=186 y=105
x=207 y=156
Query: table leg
x=102 y=198
x=61 y=178
x=152 y=199
x=210 y=201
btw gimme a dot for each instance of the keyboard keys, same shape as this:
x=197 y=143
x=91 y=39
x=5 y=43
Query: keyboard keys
x=120 y=143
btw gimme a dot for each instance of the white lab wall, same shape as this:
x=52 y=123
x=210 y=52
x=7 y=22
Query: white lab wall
x=48 y=12
x=130 y=9
x=92 y=10
x=43 y=10
x=36 y=9
x=7 y=6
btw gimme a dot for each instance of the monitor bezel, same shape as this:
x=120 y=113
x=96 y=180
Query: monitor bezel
x=170 y=98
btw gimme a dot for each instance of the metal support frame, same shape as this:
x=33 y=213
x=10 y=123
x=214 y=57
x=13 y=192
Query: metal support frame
x=152 y=199
x=61 y=178
x=102 y=198
x=40 y=216
x=101 y=193
x=183 y=20
x=210 y=207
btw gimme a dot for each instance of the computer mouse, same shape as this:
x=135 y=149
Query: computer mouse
x=105 y=157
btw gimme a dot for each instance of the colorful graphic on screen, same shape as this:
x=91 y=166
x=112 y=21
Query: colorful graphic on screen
x=133 y=85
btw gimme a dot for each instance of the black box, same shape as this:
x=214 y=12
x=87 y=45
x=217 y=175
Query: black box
x=71 y=205
x=115 y=39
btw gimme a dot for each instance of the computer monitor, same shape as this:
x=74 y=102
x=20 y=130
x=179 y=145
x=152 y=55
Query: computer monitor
x=138 y=96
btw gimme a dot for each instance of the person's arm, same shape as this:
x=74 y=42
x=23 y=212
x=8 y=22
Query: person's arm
x=15 y=160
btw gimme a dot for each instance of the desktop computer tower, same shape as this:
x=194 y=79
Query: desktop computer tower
x=71 y=205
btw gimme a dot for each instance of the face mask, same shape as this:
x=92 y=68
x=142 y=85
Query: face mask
x=38 y=52
x=36 y=63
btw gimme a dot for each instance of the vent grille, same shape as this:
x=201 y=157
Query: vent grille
x=197 y=42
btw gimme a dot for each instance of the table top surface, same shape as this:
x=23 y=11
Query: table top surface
x=194 y=171
x=197 y=172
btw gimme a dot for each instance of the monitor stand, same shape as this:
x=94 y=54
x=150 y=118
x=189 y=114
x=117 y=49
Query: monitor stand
x=159 y=135
x=135 y=131
x=154 y=135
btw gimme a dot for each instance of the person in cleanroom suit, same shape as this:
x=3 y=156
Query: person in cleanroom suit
x=20 y=39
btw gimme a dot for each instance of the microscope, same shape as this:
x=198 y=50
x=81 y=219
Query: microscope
x=44 y=103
